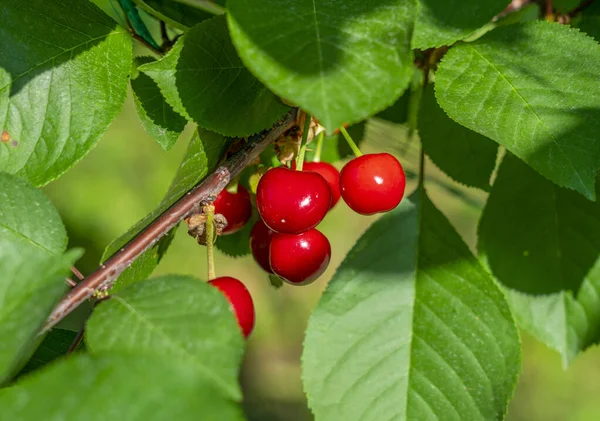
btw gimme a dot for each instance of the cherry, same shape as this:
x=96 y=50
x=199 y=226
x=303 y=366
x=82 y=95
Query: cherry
x=239 y=299
x=372 y=183
x=291 y=201
x=235 y=207
x=260 y=239
x=330 y=174
x=299 y=259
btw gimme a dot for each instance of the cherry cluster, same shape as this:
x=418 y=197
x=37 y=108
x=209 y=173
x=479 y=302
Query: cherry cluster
x=291 y=202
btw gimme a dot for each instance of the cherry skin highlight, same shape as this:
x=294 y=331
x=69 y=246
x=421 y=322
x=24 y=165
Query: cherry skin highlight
x=372 y=183
x=260 y=240
x=236 y=208
x=330 y=174
x=239 y=299
x=299 y=259
x=291 y=201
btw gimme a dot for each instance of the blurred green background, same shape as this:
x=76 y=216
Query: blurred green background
x=124 y=178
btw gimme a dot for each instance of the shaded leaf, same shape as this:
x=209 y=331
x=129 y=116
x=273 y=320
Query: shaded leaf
x=466 y=156
x=184 y=14
x=335 y=148
x=124 y=387
x=55 y=345
x=177 y=317
x=58 y=95
x=158 y=118
x=340 y=61
x=590 y=21
x=204 y=80
x=545 y=110
x=443 y=22
x=411 y=327
x=238 y=243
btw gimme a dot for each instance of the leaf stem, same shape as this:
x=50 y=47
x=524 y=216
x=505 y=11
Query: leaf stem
x=302 y=152
x=319 y=148
x=206 y=5
x=210 y=240
x=351 y=143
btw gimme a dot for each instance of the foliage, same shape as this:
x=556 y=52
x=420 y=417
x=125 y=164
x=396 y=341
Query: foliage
x=412 y=325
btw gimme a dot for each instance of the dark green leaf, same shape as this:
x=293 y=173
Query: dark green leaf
x=542 y=239
x=63 y=79
x=590 y=21
x=158 y=118
x=398 y=112
x=411 y=327
x=443 y=22
x=340 y=61
x=545 y=109
x=203 y=153
x=184 y=14
x=466 y=156
x=238 y=243
x=177 y=317
x=117 y=387
x=55 y=345
x=204 y=80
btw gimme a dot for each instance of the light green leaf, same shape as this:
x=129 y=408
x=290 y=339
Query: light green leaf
x=177 y=317
x=158 y=118
x=203 y=153
x=340 y=61
x=545 y=110
x=117 y=387
x=411 y=327
x=538 y=238
x=443 y=22
x=59 y=94
x=54 y=346
x=466 y=156
x=204 y=80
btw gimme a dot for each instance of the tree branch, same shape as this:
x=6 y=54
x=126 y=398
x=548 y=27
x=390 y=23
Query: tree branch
x=206 y=191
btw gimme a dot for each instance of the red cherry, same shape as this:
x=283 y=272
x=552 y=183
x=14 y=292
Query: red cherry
x=299 y=259
x=236 y=208
x=372 y=183
x=239 y=299
x=292 y=201
x=260 y=239
x=330 y=174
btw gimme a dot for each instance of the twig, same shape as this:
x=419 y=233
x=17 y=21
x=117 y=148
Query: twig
x=77 y=273
x=105 y=275
x=70 y=282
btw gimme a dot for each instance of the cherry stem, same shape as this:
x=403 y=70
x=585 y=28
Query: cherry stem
x=302 y=152
x=319 y=148
x=210 y=240
x=351 y=143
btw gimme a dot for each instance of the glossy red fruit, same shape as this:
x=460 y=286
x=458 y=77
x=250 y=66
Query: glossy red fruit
x=291 y=201
x=299 y=259
x=372 y=183
x=330 y=174
x=236 y=208
x=260 y=239
x=240 y=300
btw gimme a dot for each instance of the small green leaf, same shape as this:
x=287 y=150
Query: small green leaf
x=55 y=345
x=158 y=118
x=545 y=109
x=443 y=22
x=117 y=387
x=466 y=156
x=204 y=80
x=538 y=238
x=411 y=327
x=340 y=61
x=59 y=94
x=203 y=153
x=238 y=243
x=177 y=317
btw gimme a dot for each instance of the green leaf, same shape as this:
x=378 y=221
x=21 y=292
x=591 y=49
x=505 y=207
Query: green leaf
x=398 y=112
x=59 y=94
x=335 y=148
x=466 y=156
x=238 y=243
x=55 y=345
x=590 y=21
x=411 y=327
x=203 y=153
x=340 y=61
x=443 y=22
x=158 y=118
x=545 y=110
x=541 y=239
x=204 y=80
x=184 y=14
x=118 y=387
x=177 y=317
